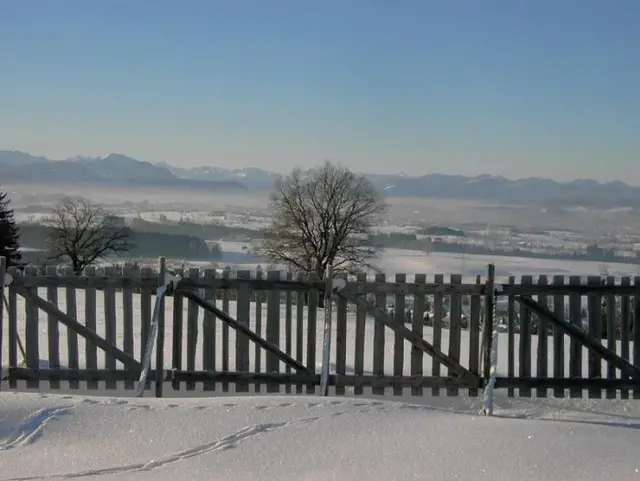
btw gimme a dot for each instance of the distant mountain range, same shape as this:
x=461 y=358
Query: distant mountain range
x=112 y=169
x=117 y=169
x=252 y=178
x=485 y=187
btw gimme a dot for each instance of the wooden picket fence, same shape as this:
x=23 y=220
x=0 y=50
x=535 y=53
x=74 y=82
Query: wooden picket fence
x=251 y=331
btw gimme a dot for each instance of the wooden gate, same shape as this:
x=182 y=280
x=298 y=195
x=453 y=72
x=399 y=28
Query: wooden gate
x=458 y=376
x=304 y=375
x=545 y=322
x=33 y=369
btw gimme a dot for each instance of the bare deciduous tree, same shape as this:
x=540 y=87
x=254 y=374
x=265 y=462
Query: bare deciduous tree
x=320 y=219
x=82 y=233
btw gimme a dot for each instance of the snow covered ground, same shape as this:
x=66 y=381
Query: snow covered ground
x=392 y=261
x=45 y=436
x=99 y=434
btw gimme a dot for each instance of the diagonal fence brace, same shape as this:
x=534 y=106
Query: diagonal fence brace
x=340 y=289
x=75 y=326
x=626 y=368
x=151 y=340
x=226 y=318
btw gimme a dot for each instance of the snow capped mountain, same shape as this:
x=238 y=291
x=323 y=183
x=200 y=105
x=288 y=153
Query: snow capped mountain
x=123 y=170
x=251 y=177
x=114 y=169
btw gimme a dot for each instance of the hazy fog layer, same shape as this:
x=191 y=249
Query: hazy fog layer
x=31 y=198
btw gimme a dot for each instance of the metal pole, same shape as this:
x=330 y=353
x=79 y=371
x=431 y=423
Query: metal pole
x=162 y=272
x=326 y=344
x=146 y=362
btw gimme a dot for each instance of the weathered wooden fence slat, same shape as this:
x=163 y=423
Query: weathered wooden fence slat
x=379 y=334
x=474 y=335
x=575 y=349
x=72 y=336
x=192 y=330
x=14 y=339
x=243 y=312
x=398 y=339
x=145 y=310
x=341 y=340
x=162 y=273
x=611 y=334
x=524 y=356
x=273 y=329
x=209 y=332
x=542 y=330
x=558 y=337
x=90 y=322
x=226 y=299
x=300 y=333
x=455 y=329
x=110 y=320
x=32 y=339
x=312 y=322
x=417 y=324
x=594 y=304
x=288 y=326
x=359 y=344
x=176 y=351
x=625 y=328
x=128 y=336
x=53 y=331
x=438 y=305
x=259 y=331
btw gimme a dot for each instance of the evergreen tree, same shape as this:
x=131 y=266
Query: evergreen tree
x=9 y=233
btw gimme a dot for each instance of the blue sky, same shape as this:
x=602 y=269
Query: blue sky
x=546 y=88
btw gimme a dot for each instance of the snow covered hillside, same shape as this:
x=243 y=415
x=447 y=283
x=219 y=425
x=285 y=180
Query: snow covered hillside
x=295 y=438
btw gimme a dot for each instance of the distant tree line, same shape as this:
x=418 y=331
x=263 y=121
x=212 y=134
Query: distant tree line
x=398 y=240
x=437 y=230
x=143 y=244
x=201 y=231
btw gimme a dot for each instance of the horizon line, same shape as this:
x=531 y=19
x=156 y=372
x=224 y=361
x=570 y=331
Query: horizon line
x=397 y=174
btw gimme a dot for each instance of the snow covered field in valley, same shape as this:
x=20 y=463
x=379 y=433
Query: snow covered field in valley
x=410 y=262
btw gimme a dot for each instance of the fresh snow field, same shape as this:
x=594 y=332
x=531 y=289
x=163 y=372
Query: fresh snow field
x=45 y=436
x=193 y=435
x=410 y=262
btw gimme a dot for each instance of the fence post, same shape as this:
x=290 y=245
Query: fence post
x=162 y=270
x=490 y=354
x=490 y=386
x=326 y=343
x=487 y=328
x=3 y=268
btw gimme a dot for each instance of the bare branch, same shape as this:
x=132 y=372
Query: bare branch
x=321 y=218
x=82 y=233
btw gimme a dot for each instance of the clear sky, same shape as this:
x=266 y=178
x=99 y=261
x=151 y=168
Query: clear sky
x=546 y=88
